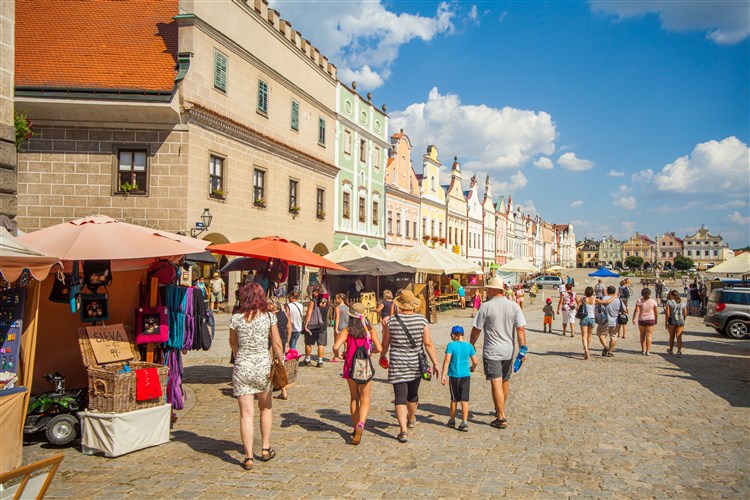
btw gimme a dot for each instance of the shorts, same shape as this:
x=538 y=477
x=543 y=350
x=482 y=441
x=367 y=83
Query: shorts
x=604 y=330
x=646 y=322
x=587 y=321
x=407 y=392
x=548 y=320
x=459 y=387
x=496 y=368
x=317 y=336
x=569 y=317
x=217 y=297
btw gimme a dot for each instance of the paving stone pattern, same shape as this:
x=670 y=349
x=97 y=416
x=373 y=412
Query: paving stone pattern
x=629 y=426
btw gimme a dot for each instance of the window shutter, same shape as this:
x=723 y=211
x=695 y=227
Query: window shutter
x=220 y=71
x=321 y=131
x=263 y=96
x=295 y=115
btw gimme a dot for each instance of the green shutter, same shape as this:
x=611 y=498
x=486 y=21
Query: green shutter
x=321 y=131
x=220 y=71
x=262 y=96
x=295 y=115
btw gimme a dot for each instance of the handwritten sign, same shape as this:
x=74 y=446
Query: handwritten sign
x=110 y=343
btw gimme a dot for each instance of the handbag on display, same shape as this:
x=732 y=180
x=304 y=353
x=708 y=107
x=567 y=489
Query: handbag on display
x=163 y=270
x=97 y=273
x=94 y=307
x=424 y=367
x=152 y=323
x=61 y=288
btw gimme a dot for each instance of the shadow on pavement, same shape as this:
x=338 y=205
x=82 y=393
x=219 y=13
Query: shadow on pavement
x=312 y=424
x=345 y=419
x=215 y=447
x=207 y=374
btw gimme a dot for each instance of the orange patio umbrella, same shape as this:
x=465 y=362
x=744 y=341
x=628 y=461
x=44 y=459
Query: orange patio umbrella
x=273 y=247
x=99 y=237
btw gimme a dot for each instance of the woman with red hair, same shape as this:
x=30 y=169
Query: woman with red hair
x=249 y=331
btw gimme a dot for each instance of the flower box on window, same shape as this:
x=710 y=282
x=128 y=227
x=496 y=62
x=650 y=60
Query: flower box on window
x=126 y=187
x=426 y=238
x=321 y=214
x=260 y=202
x=294 y=210
x=219 y=193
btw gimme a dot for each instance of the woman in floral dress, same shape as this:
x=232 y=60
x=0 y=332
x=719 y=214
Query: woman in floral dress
x=249 y=331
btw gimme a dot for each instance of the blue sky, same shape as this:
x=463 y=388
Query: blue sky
x=617 y=116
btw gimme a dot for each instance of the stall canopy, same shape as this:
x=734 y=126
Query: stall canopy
x=15 y=257
x=430 y=261
x=368 y=266
x=519 y=266
x=463 y=266
x=273 y=247
x=739 y=264
x=99 y=237
x=382 y=253
x=603 y=272
x=555 y=269
x=347 y=253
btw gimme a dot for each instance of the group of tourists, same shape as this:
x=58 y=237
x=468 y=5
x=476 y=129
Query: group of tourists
x=607 y=309
x=406 y=350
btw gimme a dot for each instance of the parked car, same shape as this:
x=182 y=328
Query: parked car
x=554 y=282
x=728 y=312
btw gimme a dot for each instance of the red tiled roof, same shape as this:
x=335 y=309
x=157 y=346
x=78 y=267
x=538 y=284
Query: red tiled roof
x=96 y=44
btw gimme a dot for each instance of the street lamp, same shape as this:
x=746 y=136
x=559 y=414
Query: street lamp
x=204 y=223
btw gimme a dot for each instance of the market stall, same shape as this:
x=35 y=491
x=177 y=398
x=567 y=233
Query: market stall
x=122 y=286
x=22 y=269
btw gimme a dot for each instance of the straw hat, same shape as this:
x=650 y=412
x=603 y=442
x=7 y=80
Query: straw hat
x=357 y=309
x=216 y=275
x=496 y=283
x=407 y=301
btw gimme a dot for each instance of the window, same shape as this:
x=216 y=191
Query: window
x=295 y=116
x=347 y=142
x=346 y=206
x=424 y=226
x=216 y=176
x=462 y=236
x=455 y=237
x=415 y=230
x=376 y=157
x=440 y=233
x=450 y=236
x=407 y=226
x=375 y=215
x=132 y=176
x=690 y=253
x=259 y=186
x=321 y=131
x=320 y=211
x=716 y=253
x=293 y=205
x=432 y=228
x=220 y=71
x=398 y=223
x=362 y=150
x=390 y=222
x=262 y=97
x=706 y=252
x=362 y=202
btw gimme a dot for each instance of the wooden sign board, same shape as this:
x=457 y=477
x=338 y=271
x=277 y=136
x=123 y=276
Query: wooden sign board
x=109 y=343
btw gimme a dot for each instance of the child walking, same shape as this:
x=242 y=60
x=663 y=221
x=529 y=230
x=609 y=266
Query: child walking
x=457 y=371
x=477 y=302
x=549 y=315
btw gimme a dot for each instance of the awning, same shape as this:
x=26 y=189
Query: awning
x=369 y=266
x=15 y=257
x=739 y=264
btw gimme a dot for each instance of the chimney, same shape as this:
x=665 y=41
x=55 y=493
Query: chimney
x=354 y=86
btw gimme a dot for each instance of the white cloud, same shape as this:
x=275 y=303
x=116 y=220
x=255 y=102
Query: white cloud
x=517 y=181
x=616 y=173
x=544 y=163
x=737 y=218
x=570 y=161
x=712 y=167
x=498 y=138
x=502 y=16
x=359 y=33
x=628 y=228
x=528 y=208
x=724 y=21
x=643 y=176
x=727 y=205
x=364 y=76
x=473 y=15
x=576 y=204
x=623 y=199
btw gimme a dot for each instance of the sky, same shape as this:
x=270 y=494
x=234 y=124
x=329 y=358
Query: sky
x=615 y=116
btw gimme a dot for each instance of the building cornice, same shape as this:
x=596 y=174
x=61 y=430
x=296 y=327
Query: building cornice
x=223 y=125
x=348 y=123
x=389 y=189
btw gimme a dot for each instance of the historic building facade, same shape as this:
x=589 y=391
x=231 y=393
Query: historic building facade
x=432 y=206
x=640 y=245
x=246 y=133
x=705 y=249
x=489 y=224
x=8 y=174
x=587 y=253
x=668 y=247
x=361 y=155
x=610 y=252
x=475 y=224
x=402 y=201
x=457 y=215
x=501 y=231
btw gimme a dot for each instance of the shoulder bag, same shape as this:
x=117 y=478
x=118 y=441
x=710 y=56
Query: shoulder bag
x=152 y=323
x=582 y=312
x=424 y=368
x=622 y=316
x=277 y=375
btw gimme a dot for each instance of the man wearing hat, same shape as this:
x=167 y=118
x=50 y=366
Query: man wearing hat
x=501 y=321
x=217 y=291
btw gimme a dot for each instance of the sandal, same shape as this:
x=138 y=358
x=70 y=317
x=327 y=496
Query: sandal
x=499 y=423
x=412 y=424
x=267 y=454
x=402 y=437
x=247 y=464
x=283 y=398
x=357 y=437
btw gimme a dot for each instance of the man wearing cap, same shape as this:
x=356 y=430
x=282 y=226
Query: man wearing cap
x=501 y=321
x=217 y=291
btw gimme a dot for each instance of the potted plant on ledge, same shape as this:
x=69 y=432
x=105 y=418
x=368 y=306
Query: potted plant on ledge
x=321 y=214
x=260 y=202
x=126 y=187
x=218 y=193
x=294 y=210
x=426 y=238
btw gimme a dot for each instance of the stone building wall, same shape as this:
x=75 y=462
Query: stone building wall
x=8 y=173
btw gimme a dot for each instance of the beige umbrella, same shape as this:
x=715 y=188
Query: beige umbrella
x=739 y=264
x=519 y=266
x=347 y=253
x=556 y=268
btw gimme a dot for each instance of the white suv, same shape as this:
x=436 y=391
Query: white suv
x=554 y=282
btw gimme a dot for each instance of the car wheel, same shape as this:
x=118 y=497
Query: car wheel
x=555 y=287
x=737 y=329
x=62 y=429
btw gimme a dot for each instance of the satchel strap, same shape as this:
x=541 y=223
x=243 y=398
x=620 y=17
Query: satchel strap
x=408 y=333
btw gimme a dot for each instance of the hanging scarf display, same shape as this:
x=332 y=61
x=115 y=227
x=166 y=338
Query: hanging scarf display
x=189 y=326
x=175 y=395
x=176 y=303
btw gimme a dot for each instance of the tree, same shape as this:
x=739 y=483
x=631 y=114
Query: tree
x=683 y=263
x=634 y=262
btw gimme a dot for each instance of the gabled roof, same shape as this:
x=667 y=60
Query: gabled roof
x=96 y=44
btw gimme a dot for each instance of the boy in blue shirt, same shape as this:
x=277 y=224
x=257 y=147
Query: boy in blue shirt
x=456 y=369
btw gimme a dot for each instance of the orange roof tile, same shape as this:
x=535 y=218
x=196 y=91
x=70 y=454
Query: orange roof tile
x=96 y=44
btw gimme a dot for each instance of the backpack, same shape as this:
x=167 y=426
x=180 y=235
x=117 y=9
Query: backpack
x=624 y=292
x=362 y=370
x=677 y=317
x=600 y=315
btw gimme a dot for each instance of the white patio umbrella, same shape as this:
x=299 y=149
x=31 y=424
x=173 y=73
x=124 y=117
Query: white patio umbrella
x=378 y=252
x=347 y=253
x=519 y=266
x=739 y=264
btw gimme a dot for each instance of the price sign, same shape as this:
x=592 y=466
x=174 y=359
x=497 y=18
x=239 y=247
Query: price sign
x=110 y=343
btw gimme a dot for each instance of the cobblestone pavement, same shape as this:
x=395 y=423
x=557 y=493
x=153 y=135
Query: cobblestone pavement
x=628 y=426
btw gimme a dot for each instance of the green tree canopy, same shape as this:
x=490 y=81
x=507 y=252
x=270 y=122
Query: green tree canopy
x=683 y=263
x=634 y=262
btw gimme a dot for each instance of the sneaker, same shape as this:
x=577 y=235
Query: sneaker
x=320 y=364
x=648 y=353
x=679 y=354
x=669 y=351
x=451 y=423
x=305 y=363
x=463 y=427
x=604 y=352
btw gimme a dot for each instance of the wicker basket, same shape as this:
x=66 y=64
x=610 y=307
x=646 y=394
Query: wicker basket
x=291 y=370
x=87 y=352
x=110 y=391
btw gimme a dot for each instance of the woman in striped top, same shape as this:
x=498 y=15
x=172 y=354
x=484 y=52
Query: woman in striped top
x=403 y=371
